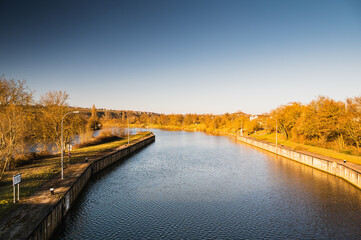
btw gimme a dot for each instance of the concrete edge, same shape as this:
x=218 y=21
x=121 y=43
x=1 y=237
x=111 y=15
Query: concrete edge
x=349 y=172
x=48 y=225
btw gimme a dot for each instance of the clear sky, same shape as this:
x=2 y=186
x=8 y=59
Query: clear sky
x=184 y=56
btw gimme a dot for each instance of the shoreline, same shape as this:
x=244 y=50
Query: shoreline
x=39 y=216
x=350 y=172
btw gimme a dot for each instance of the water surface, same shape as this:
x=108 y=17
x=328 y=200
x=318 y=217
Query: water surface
x=197 y=186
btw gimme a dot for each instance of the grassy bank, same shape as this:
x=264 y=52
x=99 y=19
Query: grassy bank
x=271 y=137
x=189 y=128
x=35 y=174
x=262 y=135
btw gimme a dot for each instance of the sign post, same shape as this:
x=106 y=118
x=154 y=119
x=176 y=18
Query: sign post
x=16 y=181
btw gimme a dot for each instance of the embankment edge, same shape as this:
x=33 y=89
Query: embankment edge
x=347 y=171
x=53 y=219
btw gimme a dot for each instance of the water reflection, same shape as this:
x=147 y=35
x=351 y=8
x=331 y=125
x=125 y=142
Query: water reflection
x=52 y=148
x=195 y=186
x=118 y=131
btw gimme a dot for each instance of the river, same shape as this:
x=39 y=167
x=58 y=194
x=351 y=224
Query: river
x=196 y=186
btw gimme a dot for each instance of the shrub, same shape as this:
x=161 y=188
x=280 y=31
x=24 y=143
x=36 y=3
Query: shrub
x=27 y=158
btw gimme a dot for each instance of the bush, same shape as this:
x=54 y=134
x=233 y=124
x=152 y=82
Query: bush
x=97 y=140
x=27 y=158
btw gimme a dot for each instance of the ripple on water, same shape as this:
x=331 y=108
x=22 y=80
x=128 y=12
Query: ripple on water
x=194 y=186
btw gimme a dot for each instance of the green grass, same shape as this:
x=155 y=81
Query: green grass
x=37 y=173
x=304 y=147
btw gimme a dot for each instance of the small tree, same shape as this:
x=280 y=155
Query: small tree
x=107 y=115
x=351 y=122
x=14 y=101
x=55 y=106
x=286 y=117
x=93 y=121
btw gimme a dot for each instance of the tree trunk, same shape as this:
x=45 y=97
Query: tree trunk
x=5 y=165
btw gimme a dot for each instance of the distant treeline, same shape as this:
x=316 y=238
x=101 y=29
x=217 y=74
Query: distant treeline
x=323 y=122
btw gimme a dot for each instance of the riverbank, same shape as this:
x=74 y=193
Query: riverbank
x=40 y=171
x=38 y=216
x=328 y=160
x=341 y=155
x=327 y=152
x=198 y=186
x=192 y=128
x=350 y=172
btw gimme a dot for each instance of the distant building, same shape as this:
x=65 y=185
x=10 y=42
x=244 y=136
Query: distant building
x=253 y=117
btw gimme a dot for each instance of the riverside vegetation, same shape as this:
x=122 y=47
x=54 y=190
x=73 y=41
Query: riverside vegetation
x=324 y=126
x=26 y=124
x=31 y=129
x=42 y=169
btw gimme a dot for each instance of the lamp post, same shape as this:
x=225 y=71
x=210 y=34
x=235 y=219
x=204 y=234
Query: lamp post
x=62 y=144
x=242 y=127
x=128 y=128
x=276 y=130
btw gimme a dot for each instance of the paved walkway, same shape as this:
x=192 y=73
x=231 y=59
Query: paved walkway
x=353 y=166
x=20 y=222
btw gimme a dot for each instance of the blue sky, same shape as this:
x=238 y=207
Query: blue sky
x=184 y=56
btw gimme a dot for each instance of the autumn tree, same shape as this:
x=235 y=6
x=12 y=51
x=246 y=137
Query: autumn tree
x=189 y=119
x=321 y=119
x=176 y=119
x=164 y=120
x=93 y=121
x=351 y=123
x=286 y=117
x=240 y=123
x=108 y=115
x=15 y=99
x=252 y=126
x=144 y=119
x=55 y=107
x=214 y=123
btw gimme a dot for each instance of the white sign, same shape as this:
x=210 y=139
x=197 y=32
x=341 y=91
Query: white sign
x=67 y=204
x=17 y=179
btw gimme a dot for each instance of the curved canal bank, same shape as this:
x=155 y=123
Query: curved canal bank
x=348 y=171
x=39 y=217
x=197 y=186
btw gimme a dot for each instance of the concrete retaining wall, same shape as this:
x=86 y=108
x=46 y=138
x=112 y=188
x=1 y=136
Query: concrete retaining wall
x=54 y=218
x=335 y=167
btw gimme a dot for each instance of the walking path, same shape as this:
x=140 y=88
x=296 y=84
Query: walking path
x=19 y=223
x=353 y=166
x=348 y=171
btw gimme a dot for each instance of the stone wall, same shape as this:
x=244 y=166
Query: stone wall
x=335 y=167
x=55 y=216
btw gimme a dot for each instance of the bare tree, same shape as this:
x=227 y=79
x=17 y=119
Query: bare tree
x=55 y=106
x=14 y=100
